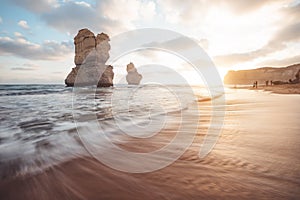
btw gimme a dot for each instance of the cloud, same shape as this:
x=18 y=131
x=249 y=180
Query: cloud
x=204 y=43
x=71 y=16
x=17 y=34
x=291 y=13
x=22 y=69
x=132 y=10
x=148 y=10
x=288 y=33
x=26 y=67
x=281 y=62
x=23 y=24
x=177 y=11
x=37 y=6
x=244 y=7
x=83 y=3
x=190 y=11
x=1 y=20
x=278 y=43
x=57 y=72
x=21 y=47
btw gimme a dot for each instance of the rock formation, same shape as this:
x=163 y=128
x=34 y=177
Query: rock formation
x=133 y=77
x=280 y=75
x=297 y=77
x=91 y=53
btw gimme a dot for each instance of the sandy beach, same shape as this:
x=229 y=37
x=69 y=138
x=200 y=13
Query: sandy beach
x=283 y=89
x=256 y=157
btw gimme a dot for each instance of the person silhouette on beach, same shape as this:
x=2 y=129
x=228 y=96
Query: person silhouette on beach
x=267 y=82
x=255 y=84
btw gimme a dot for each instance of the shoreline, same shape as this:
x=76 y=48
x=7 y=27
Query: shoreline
x=277 y=89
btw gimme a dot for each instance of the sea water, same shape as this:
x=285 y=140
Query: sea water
x=37 y=127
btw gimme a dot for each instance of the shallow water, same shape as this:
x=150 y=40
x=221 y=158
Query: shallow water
x=38 y=129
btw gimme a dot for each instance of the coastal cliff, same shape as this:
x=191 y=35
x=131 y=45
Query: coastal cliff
x=282 y=75
x=91 y=53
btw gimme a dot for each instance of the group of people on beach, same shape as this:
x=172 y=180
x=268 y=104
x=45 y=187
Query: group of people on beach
x=255 y=84
x=267 y=83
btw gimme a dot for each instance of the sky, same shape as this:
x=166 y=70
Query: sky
x=36 y=36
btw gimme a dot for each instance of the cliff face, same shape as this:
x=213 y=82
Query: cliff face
x=262 y=74
x=91 y=53
x=133 y=77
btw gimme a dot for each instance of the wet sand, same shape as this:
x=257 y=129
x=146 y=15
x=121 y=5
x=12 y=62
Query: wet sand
x=278 y=89
x=256 y=157
x=284 y=89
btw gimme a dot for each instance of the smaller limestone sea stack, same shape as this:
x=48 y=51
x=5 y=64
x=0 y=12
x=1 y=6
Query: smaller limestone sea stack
x=133 y=77
x=91 y=53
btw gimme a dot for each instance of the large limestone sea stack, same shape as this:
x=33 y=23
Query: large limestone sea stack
x=91 y=53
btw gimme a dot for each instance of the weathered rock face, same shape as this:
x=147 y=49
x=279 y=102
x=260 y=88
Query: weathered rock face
x=91 y=53
x=133 y=77
x=84 y=43
x=297 y=77
x=261 y=75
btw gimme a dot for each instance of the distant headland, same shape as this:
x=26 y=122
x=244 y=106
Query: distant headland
x=289 y=74
x=284 y=80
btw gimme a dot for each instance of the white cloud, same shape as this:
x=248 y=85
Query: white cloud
x=23 y=24
x=185 y=12
x=131 y=10
x=238 y=31
x=71 y=17
x=1 y=20
x=83 y=3
x=110 y=16
x=21 y=47
x=26 y=67
x=281 y=62
x=17 y=34
x=148 y=10
x=287 y=33
x=204 y=43
x=37 y=6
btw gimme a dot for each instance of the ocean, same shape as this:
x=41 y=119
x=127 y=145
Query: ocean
x=38 y=128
